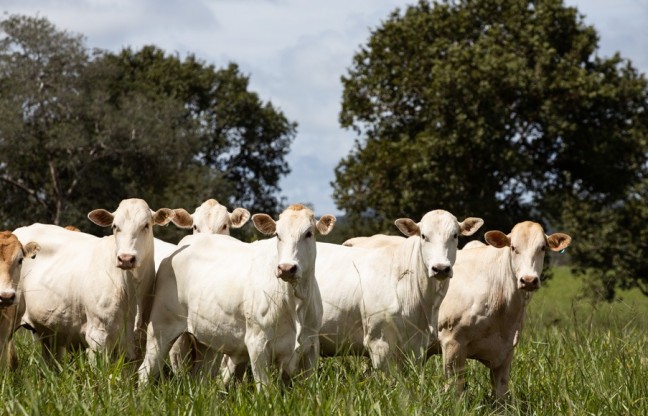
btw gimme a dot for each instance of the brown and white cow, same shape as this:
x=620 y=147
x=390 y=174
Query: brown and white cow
x=12 y=254
x=88 y=291
x=257 y=303
x=482 y=315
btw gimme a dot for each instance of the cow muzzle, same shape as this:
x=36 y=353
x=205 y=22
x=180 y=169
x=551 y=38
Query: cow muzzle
x=440 y=271
x=7 y=298
x=126 y=261
x=287 y=272
x=529 y=283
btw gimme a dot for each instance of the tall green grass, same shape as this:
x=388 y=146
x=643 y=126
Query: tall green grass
x=575 y=357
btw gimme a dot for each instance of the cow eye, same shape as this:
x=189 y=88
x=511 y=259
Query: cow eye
x=195 y=228
x=309 y=234
x=20 y=261
x=513 y=249
x=542 y=248
x=146 y=227
x=456 y=235
x=278 y=238
x=423 y=236
x=224 y=227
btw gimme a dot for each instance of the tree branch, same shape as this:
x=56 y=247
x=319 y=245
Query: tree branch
x=24 y=188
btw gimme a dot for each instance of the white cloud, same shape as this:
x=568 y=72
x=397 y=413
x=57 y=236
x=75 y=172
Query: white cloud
x=294 y=52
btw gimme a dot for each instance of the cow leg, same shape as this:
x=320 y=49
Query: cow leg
x=260 y=357
x=99 y=342
x=500 y=378
x=233 y=368
x=454 y=362
x=308 y=358
x=158 y=343
x=208 y=360
x=379 y=342
x=180 y=353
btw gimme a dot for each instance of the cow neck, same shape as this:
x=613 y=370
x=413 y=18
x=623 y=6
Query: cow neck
x=415 y=289
x=504 y=295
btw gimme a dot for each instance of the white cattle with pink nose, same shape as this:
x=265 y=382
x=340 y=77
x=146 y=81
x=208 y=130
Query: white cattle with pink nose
x=210 y=217
x=257 y=303
x=88 y=291
x=383 y=301
x=482 y=315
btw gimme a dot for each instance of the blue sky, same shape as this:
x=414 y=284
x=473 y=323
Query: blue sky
x=294 y=52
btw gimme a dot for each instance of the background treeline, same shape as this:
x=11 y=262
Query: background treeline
x=82 y=129
x=497 y=109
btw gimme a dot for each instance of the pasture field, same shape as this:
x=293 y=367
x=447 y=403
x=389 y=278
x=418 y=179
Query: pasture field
x=575 y=357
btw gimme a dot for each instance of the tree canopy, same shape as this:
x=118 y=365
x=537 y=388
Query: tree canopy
x=496 y=109
x=81 y=129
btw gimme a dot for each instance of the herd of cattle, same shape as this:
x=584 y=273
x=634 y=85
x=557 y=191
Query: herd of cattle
x=218 y=304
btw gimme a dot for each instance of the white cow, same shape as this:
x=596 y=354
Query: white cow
x=88 y=291
x=210 y=217
x=257 y=303
x=12 y=254
x=374 y=241
x=482 y=314
x=383 y=302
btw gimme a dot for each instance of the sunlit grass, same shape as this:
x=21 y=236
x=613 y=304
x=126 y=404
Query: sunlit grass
x=575 y=357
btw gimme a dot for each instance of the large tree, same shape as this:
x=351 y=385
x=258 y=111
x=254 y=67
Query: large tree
x=500 y=109
x=242 y=140
x=81 y=130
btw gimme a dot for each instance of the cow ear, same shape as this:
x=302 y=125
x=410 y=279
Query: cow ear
x=162 y=216
x=101 y=217
x=497 y=239
x=181 y=218
x=558 y=241
x=239 y=217
x=30 y=249
x=470 y=225
x=325 y=224
x=264 y=223
x=407 y=227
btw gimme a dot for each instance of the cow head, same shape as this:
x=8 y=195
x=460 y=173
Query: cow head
x=132 y=225
x=295 y=231
x=211 y=217
x=527 y=243
x=439 y=232
x=11 y=258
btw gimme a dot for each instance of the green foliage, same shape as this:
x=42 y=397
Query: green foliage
x=81 y=131
x=575 y=357
x=497 y=109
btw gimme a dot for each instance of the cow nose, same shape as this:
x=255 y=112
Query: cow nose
x=7 y=297
x=441 y=271
x=126 y=261
x=441 y=268
x=286 y=271
x=529 y=282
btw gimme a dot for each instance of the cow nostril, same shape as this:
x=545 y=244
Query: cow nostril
x=126 y=259
x=441 y=269
x=529 y=280
x=8 y=296
x=284 y=270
